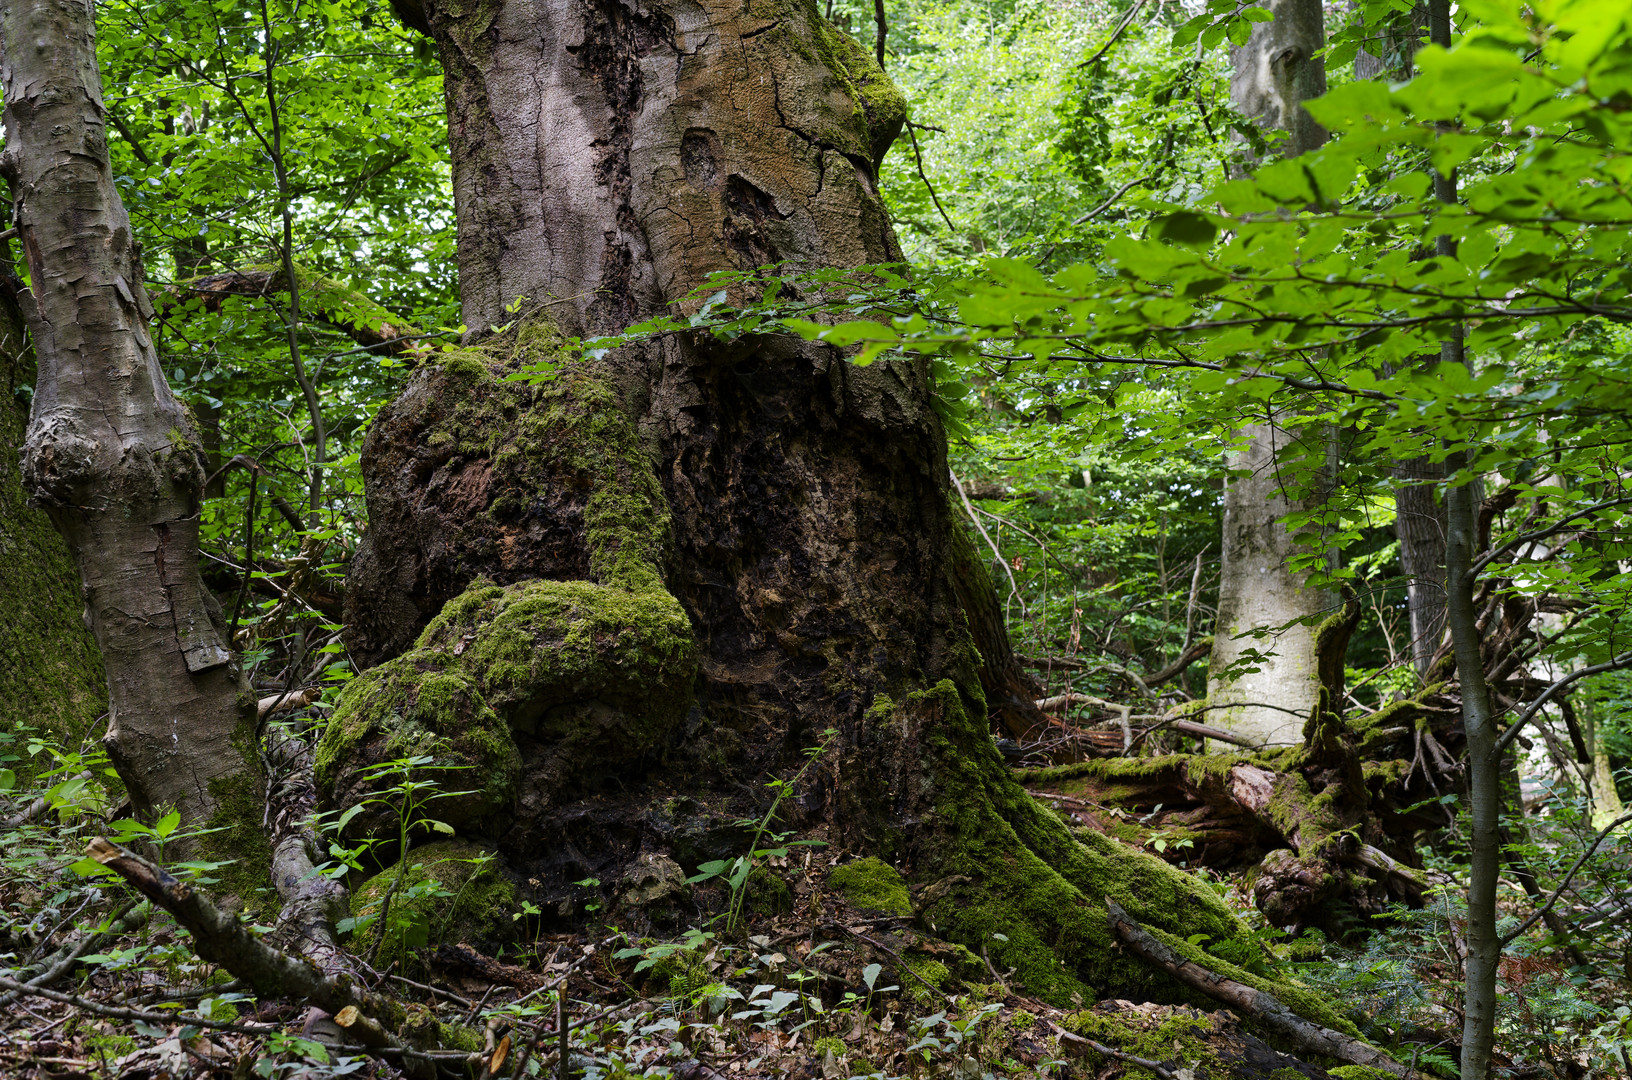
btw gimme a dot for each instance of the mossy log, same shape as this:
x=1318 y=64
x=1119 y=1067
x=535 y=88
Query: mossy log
x=1328 y=825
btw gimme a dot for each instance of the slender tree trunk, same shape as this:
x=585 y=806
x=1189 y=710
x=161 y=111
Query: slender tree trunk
x=1484 y=786
x=1420 y=526
x=50 y=671
x=110 y=455
x=1478 y=720
x=630 y=594
x=1274 y=73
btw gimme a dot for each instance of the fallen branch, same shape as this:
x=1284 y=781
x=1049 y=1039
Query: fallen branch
x=221 y=939
x=1190 y=727
x=1305 y=1035
x=113 y=1012
x=35 y=808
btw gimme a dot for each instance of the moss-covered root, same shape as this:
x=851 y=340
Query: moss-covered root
x=1001 y=872
x=448 y=891
x=593 y=675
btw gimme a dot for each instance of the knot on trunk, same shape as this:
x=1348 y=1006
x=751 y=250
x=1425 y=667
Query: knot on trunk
x=59 y=464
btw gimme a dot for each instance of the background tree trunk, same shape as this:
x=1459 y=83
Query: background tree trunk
x=1419 y=523
x=1419 y=516
x=659 y=577
x=50 y=670
x=1274 y=73
x=1278 y=69
x=110 y=454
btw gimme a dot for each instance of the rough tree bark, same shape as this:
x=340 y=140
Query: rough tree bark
x=110 y=454
x=50 y=671
x=630 y=594
x=1274 y=73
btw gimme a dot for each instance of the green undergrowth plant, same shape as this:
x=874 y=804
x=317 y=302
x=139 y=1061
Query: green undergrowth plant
x=739 y=871
x=408 y=786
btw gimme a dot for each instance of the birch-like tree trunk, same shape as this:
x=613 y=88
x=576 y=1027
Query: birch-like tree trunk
x=50 y=670
x=110 y=455
x=1274 y=73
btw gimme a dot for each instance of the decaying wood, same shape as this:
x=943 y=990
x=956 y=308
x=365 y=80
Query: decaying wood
x=466 y=959
x=1308 y=1037
x=312 y=902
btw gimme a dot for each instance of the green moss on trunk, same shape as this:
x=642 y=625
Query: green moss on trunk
x=597 y=672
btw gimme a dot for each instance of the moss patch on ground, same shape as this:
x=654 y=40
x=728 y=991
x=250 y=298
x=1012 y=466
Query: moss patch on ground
x=873 y=884
x=1176 y=1038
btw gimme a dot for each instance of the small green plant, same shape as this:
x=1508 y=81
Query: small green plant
x=407 y=796
x=736 y=872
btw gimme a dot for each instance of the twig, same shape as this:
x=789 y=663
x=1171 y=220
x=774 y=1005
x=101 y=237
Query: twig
x=919 y=159
x=1613 y=664
x=64 y=960
x=1014 y=589
x=1116 y=33
x=1100 y=1048
x=1508 y=938
x=901 y=965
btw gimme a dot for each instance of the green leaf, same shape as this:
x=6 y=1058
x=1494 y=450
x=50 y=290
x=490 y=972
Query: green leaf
x=1187 y=229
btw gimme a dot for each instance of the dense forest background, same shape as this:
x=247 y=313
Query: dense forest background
x=1111 y=273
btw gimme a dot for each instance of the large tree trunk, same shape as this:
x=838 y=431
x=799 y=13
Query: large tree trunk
x=110 y=454
x=50 y=671
x=653 y=581
x=1275 y=72
x=1278 y=69
x=1258 y=591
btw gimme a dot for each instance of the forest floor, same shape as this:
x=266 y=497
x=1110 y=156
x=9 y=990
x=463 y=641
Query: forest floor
x=821 y=987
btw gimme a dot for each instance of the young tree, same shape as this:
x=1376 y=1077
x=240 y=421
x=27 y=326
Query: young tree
x=110 y=453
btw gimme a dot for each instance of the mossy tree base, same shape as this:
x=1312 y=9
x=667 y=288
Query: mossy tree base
x=801 y=519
